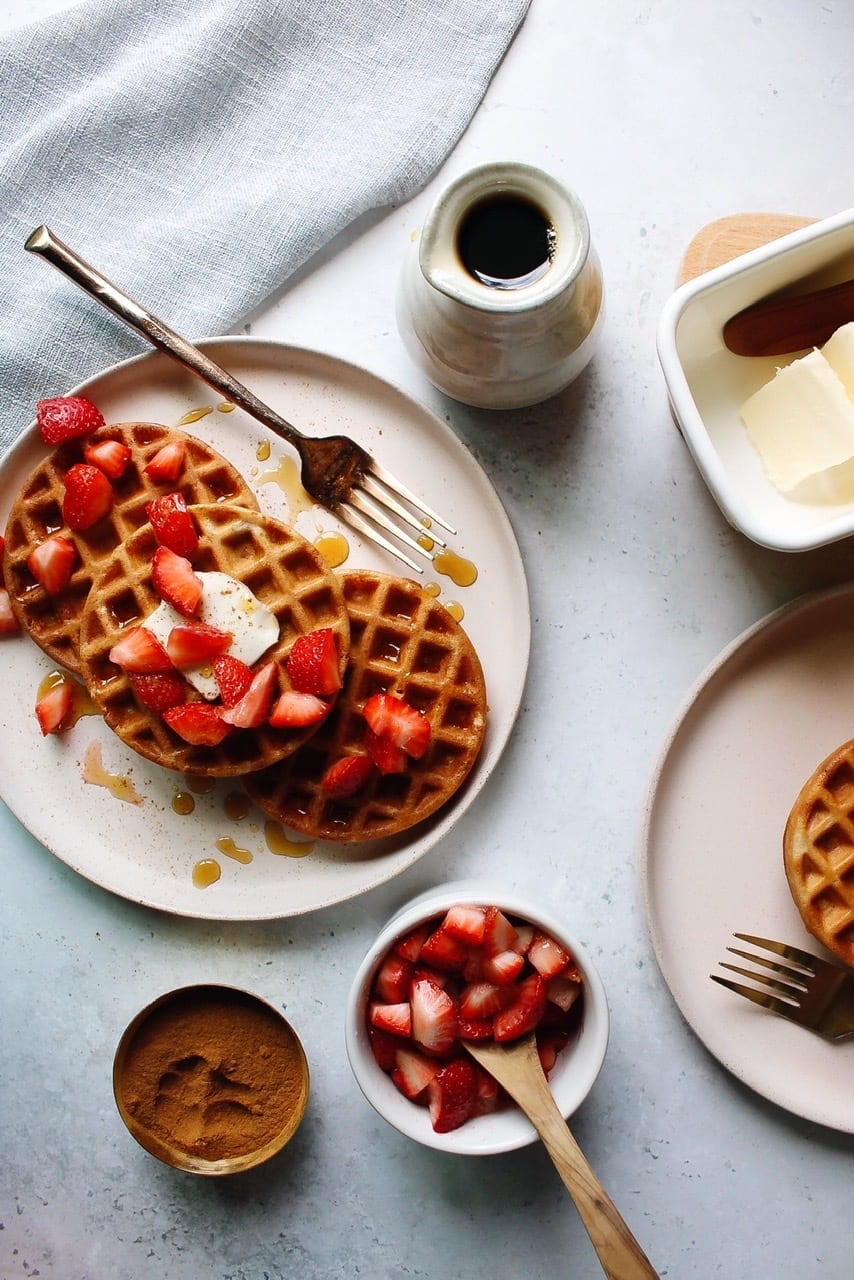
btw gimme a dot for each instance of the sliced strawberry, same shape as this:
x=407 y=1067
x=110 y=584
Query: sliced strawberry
x=254 y=707
x=547 y=955
x=524 y=938
x=65 y=417
x=8 y=622
x=109 y=456
x=434 y=1017
x=2 y=551
x=452 y=1094
x=192 y=643
x=413 y=1072
x=298 y=710
x=400 y=723
x=167 y=464
x=386 y=756
x=502 y=968
x=173 y=524
x=409 y=946
x=499 y=933
x=384 y=1047
x=174 y=580
x=392 y=980
x=394 y=1018
x=549 y=1045
x=51 y=563
x=522 y=1016
x=53 y=707
x=466 y=923
x=563 y=991
x=442 y=951
x=482 y=999
x=435 y=976
x=139 y=650
x=198 y=723
x=233 y=678
x=160 y=690
x=488 y=1093
x=88 y=496
x=347 y=776
x=475 y=1028
x=313 y=663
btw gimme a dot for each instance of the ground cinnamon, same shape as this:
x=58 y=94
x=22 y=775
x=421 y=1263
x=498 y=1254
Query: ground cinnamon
x=213 y=1072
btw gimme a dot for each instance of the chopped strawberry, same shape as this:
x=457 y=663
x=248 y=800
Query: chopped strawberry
x=51 y=563
x=313 y=663
x=452 y=1095
x=386 y=756
x=409 y=946
x=139 y=650
x=488 y=1093
x=167 y=464
x=53 y=707
x=475 y=1028
x=298 y=710
x=498 y=932
x=547 y=955
x=173 y=524
x=482 y=999
x=394 y=1018
x=192 y=643
x=400 y=723
x=413 y=1072
x=109 y=456
x=524 y=1013
x=392 y=980
x=563 y=991
x=65 y=417
x=524 y=938
x=549 y=1045
x=2 y=552
x=466 y=924
x=384 y=1047
x=88 y=496
x=347 y=776
x=502 y=968
x=8 y=622
x=254 y=707
x=198 y=723
x=443 y=951
x=160 y=690
x=436 y=976
x=233 y=678
x=174 y=580
x=434 y=1018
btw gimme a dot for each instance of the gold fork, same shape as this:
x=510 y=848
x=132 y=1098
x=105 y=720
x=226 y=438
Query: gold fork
x=799 y=986
x=336 y=471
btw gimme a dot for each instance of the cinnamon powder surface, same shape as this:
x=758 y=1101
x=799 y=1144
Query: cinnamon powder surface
x=212 y=1072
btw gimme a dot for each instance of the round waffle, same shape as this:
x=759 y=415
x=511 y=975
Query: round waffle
x=404 y=642
x=818 y=852
x=53 y=621
x=279 y=567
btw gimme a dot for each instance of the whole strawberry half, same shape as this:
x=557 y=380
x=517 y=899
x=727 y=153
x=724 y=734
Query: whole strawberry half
x=88 y=496
x=313 y=663
x=66 y=417
x=172 y=524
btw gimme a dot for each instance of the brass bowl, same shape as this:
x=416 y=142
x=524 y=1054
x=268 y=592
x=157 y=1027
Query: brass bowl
x=211 y=1080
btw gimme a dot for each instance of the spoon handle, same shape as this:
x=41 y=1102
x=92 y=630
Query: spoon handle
x=619 y=1252
x=777 y=326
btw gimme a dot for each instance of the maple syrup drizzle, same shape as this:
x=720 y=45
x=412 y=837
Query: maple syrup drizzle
x=262 y=453
x=81 y=702
x=278 y=842
x=118 y=784
x=200 y=785
x=206 y=872
x=432 y=589
x=461 y=572
x=334 y=548
x=231 y=850
x=193 y=416
x=183 y=803
x=286 y=475
x=456 y=610
x=236 y=805
x=225 y=406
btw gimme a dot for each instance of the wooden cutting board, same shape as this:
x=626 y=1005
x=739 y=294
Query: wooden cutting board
x=726 y=238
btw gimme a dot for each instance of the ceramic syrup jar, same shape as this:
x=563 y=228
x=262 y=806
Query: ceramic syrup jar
x=500 y=300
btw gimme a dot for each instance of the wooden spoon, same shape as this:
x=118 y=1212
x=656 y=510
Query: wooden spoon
x=516 y=1066
x=777 y=326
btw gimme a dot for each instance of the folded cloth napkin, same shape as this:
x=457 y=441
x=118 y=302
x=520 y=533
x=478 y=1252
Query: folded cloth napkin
x=198 y=154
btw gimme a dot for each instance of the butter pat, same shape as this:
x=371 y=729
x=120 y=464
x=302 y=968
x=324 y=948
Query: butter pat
x=802 y=421
x=838 y=351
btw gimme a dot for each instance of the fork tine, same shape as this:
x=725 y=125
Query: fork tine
x=358 y=521
x=362 y=504
x=785 y=988
x=758 y=997
x=386 y=478
x=784 y=949
x=792 y=974
x=373 y=498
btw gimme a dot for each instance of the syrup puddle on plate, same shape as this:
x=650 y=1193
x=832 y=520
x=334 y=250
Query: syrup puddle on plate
x=118 y=784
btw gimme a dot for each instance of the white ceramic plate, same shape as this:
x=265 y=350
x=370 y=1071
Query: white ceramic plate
x=773 y=705
x=148 y=852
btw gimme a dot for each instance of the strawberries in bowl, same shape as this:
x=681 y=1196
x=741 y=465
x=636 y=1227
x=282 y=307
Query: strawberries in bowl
x=467 y=961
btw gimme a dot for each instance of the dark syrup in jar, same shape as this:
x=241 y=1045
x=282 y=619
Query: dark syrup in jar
x=506 y=242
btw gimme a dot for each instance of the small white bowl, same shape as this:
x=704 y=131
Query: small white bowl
x=707 y=384
x=572 y=1077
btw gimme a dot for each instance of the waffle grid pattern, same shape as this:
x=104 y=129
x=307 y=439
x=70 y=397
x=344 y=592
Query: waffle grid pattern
x=279 y=566
x=53 y=622
x=818 y=850
x=404 y=642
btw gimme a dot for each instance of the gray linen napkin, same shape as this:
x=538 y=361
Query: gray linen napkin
x=198 y=154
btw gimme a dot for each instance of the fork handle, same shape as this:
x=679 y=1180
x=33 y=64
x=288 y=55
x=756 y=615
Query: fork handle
x=43 y=242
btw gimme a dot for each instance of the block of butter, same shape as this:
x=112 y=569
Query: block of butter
x=802 y=421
